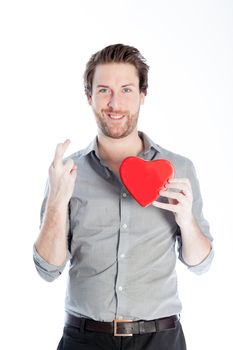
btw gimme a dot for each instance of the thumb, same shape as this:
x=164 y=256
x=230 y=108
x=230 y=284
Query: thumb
x=73 y=171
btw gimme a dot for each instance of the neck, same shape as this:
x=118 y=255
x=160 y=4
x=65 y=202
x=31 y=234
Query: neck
x=116 y=150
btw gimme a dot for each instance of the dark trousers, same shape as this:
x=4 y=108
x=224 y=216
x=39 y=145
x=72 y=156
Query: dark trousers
x=75 y=339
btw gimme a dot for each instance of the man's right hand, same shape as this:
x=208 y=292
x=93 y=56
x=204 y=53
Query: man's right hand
x=62 y=177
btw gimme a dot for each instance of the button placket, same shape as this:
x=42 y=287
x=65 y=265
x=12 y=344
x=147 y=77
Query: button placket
x=121 y=282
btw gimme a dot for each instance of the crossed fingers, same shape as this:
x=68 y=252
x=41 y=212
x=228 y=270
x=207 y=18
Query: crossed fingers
x=59 y=153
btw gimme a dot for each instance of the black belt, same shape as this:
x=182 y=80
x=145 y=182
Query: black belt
x=123 y=327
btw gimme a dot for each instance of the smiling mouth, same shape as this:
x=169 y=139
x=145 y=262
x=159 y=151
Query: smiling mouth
x=115 y=116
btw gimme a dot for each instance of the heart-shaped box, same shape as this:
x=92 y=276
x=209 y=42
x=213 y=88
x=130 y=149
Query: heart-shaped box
x=145 y=178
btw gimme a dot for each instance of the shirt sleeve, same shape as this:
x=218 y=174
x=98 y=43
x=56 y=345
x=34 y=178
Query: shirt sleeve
x=203 y=224
x=50 y=272
x=47 y=271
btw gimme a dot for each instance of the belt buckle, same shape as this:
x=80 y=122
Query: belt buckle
x=116 y=334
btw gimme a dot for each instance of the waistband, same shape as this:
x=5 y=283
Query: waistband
x=123 y=327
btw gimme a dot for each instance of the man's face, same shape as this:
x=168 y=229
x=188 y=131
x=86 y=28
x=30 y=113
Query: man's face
x=116 y=99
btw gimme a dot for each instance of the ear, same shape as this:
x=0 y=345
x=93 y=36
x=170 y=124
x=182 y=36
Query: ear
x=142 y=98
x=89 y=99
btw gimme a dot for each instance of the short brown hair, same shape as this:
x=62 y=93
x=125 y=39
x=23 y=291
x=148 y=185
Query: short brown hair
x=117 y=53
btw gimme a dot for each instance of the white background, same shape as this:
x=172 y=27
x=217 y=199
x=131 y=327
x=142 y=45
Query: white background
x=44 y=47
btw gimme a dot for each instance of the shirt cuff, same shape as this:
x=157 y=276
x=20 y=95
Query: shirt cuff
x=203 y=266
x=47 y=271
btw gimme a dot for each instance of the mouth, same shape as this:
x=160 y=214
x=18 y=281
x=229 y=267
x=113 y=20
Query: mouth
x=116 y=116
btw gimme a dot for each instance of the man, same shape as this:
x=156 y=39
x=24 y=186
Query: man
x=122 y=291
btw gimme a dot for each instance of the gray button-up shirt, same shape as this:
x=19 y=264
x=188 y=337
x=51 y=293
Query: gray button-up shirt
x=122 y=256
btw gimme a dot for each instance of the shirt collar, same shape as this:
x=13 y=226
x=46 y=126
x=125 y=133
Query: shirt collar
x=148 y=145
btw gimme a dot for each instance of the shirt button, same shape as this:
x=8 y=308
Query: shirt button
x=124 y=195
x=124 y=226
x=120 y=288
x=122 y=256
x=120 y=317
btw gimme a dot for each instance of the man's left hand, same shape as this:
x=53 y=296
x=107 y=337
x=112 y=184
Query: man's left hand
x=179 y=201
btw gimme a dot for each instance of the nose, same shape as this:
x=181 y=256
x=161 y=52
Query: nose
x=114 y=102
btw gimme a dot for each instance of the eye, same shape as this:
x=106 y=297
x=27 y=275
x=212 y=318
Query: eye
x=126 y=90
x=103 y=90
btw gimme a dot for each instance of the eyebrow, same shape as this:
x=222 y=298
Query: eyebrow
x=106 y=86
x=131 y=84
x=101 y=85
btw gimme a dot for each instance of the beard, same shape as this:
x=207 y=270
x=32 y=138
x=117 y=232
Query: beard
x=116 y=128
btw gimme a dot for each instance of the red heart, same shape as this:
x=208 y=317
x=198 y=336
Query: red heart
x=144 y=179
